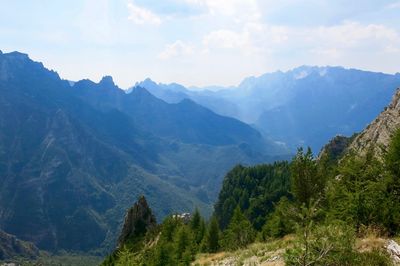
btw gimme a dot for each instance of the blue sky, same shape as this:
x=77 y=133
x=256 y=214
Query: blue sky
x=200 y=42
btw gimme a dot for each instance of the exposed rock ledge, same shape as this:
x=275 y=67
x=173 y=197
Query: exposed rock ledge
x=138 y=220
x=376 y=137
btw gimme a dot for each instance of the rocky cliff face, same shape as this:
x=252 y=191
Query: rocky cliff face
x=376 y=137
x=138 y=221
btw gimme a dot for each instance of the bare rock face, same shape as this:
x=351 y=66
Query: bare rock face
x=394 y=250
x=376 y=137
x=138 y=221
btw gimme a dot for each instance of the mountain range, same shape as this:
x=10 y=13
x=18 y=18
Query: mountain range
x=306 y=106
x=74 y=156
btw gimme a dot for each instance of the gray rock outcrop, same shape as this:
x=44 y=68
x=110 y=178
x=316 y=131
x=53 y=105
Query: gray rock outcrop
x=138 y=220
x=376 y=137
x=394 y=250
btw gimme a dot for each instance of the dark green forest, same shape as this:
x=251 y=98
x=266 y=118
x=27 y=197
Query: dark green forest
x=325 y=203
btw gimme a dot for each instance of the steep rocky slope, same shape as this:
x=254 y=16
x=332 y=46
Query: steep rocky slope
x=138 y=219
x=377 y=135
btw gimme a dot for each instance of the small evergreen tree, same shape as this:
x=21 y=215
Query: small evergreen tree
x=392 y=157
x=280 y=222
x=195 y=221
x=182 y=243
x=239 y=233
x=307 y=184
x=168 y=228
x=212 y=236
x=201 y=231
x=198 y=227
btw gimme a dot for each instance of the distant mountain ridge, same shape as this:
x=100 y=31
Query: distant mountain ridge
x=306 y=106
x=74 y=156
x=168 y=120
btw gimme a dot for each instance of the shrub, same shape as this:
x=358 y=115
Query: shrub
x=323 y=245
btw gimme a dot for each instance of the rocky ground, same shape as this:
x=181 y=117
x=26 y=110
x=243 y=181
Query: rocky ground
x=271 y=254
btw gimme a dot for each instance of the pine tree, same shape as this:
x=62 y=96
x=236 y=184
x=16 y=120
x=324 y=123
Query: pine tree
x=182 y=242
x=200 y=232
x=163 y=255
x=239 y=233
x=392 y=157
x=168 y=228
x=307 y=184
x=212 y=237
x=392 y=161
x=195 y=221
x=197 y=226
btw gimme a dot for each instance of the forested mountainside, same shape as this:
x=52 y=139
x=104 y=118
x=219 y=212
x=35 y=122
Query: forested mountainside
x=315 y=103
x=340 y=209
x=72 y=159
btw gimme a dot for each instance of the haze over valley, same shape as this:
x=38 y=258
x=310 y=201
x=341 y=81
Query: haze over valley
x=199 y=132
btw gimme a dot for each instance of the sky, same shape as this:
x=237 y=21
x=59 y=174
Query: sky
x=200 y=42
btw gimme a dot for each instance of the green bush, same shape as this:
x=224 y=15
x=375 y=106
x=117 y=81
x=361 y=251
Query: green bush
x=323 y=245
x=239 y=233
x=373 y=258
x=280 y=222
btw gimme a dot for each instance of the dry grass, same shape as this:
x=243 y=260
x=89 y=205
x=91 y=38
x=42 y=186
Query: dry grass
x=370 y=244
x=371 y=238
x=209 y=259
x=271 y=253
x=266 y=254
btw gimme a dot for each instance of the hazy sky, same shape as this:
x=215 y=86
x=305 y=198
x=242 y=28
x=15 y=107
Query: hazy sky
x=200 y=42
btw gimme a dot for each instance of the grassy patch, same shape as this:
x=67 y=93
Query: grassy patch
x=254 y=254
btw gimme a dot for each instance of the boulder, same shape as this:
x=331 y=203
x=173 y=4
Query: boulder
x=394 y=250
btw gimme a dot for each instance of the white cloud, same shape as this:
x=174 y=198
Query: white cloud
x=140 y=15
x=175 y=49
x=241 y=11
x=253 y=38
x=394 y=5
x=226 y=39
x=351 y=34
x=271 y=47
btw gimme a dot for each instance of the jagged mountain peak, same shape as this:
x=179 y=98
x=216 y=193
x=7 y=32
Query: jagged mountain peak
x=14 y=66
x=140 y=91
x=147 y=83
x=18 y=55
x=138 y=220
x=107 y=81
x=151 y=85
